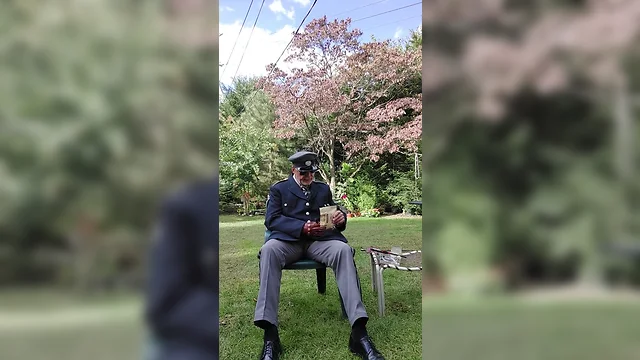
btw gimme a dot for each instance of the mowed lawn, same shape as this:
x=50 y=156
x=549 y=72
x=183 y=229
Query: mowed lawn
x=311 y=325
x=54 y=325
x=506 y=329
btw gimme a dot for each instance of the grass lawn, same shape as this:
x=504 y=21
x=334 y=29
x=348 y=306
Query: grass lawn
x=506 y=329
x=53 y=325
x=311 y=325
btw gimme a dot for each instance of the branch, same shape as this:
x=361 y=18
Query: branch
x=324 y=151
x=326 y=61
x=357 y=170
x=306 y=123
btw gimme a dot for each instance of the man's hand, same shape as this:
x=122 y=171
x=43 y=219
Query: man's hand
x=313 y=228
x=338 y=218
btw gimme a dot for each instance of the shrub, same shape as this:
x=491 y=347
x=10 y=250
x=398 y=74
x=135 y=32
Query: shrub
x=403 y=189
x=367 y=197
x=371 y=212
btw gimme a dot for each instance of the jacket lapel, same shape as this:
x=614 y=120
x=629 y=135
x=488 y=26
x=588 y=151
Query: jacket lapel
x=313 y=191
x=295 y=189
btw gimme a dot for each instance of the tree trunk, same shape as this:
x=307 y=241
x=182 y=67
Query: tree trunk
x=624 y=132
x=623 y=160
x=624 y=152
x=84 y=246
x=332 y=168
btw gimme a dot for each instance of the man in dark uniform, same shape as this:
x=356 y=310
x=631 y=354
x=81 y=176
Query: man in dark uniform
x=182 y=297
x=292 y=217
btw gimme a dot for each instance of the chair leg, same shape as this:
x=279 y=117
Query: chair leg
x=380 y=286
x=321 y=275
x=373 y=274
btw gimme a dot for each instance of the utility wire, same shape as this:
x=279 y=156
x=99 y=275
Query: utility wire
x=358 y=8
x=309 y=11
x=237 y=38
x=293 y=37
x=248 y=41
x=391 y=23
x=386 y=12
x=285 y=49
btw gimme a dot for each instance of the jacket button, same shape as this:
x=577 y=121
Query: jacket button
x=307 y=213
x=285 y=204
x=307 y=204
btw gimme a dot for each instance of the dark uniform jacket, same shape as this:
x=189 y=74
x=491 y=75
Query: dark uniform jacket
x=288 y=209
x=182 y=300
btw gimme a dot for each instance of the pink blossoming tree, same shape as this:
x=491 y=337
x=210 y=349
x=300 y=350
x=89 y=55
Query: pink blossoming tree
x=359 y=100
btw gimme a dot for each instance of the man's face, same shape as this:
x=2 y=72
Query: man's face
x=304 y=177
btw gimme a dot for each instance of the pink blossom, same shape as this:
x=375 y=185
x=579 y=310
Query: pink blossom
x=348 y=92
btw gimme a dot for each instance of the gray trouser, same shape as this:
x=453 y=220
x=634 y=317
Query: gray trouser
x=275 y=254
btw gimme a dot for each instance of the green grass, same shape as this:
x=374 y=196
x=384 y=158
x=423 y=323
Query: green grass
x=505 y=329
x=226 y=218
x=54 y=325
x=311 y=325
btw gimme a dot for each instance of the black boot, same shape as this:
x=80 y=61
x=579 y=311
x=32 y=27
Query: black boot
x=360 y=343
x=271 y=350
x=364 y=348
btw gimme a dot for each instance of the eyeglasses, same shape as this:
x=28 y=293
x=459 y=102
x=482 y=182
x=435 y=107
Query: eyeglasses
x=304 y=173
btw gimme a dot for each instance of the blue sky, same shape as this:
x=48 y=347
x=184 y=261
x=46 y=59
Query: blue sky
x=279 y=18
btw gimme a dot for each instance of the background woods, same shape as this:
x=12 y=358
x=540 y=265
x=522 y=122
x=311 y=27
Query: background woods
x=357 y=104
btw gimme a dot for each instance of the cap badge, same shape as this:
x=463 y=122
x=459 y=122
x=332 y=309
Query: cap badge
x=308 y=162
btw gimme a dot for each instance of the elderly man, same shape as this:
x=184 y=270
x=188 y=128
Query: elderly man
x=292 y=217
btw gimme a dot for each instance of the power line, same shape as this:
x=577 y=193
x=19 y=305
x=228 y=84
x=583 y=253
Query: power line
x=309 y=11
x=364 y=6
x=285 y=49
x=390 y=23
x=237 y=38
x=248 y=41
x=386 y=12
x=226 y=65
x=293 y=37
x=305 y=17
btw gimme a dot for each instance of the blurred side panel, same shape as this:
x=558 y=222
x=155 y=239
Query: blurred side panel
x=531 y=218
x=107 y=119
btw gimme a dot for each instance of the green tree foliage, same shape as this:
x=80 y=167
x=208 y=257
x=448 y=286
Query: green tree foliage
x=251 y=157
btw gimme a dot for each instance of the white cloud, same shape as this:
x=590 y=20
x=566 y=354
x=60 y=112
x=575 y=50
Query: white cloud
x=302 y=2
x=227 y=8
x=398 y=33
x=276 y=7
x=264 y=49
